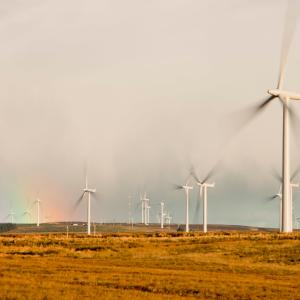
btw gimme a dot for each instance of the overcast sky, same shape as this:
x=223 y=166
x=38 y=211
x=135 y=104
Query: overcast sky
x=141 y=90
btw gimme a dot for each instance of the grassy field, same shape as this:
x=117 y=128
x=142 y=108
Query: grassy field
x=223 y=265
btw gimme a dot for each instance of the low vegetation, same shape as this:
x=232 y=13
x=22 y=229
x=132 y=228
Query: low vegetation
x=161 y=265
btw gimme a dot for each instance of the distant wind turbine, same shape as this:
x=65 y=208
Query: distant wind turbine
x=162 y=214
x=87 y=191
x=168 y=218
x=186 y=189
x=38 y=203
x=11 y=216
x=27 y=213
x=279 y=196
x=203 y=186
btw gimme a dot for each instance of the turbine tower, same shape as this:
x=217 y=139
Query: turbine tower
x=186 y=189
x=87 y=191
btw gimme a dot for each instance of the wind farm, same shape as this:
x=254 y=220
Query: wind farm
x=136 y=159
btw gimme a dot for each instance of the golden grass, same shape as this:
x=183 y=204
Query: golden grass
x=151 y=266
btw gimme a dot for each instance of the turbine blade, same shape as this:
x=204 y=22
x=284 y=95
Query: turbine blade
x=240 y=119
x=276 y=175
x=193 y=174
x=295 y=173
x=270 y=198
x=291 y=18
x=95 y=196
x=78 y=201
x=295 y=125
x=177 y=187
x=212 y=172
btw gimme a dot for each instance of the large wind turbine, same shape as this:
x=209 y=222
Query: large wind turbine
x=285 y=97
x=87 y=191
x=203 y=186
x=186 y=189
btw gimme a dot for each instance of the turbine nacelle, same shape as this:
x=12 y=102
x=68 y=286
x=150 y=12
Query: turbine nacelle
x=203 y=184
x=186 y=187
x=89 y=190
x=284 y=94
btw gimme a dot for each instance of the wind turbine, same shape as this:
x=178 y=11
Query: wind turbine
x=11 y=215
x=298 y=221
x=147 y=211
x=186 y=189
x=293 y=185
x=87 y=191
x=285 y=98
x=143 y=208
x=162 y=214
x=279 y=196
x=37 y=202
x=168 y=218
x=203 y=186
x=27 y=213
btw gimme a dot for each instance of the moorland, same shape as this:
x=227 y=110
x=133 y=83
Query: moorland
x=150 y=265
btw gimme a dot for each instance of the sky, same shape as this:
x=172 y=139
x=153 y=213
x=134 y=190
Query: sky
x=139 y=91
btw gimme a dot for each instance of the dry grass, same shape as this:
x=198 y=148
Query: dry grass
x=151 y=266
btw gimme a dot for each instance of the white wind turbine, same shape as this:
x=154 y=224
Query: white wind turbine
x=11 y=216
x=38 y=204
x=285 y=98
x=203 y=186
x=162 y=214
x=168 y=218
x=279 y=196
x=27 y=213
x=87 y=191
x=142 y=199
x=186 y=189
x=293 y=185
x=297 y=222
x=145 y=209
